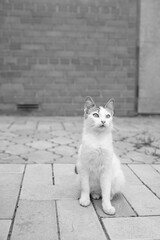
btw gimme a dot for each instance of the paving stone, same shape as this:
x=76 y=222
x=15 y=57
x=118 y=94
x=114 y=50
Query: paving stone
x=18 y=149
x=41 y=136
x=56 y=157
x=39 y=193
x=76 y=136
x=65 y=151
x=125 y=160
x=5 y=125
x=41 y=145
x=24 y=132
x=131 y=178
x=75 y=145
x=4 y=145
x=35 y=220
x=146 y=173
x=62 y=140
x=139 y=157
x=10 y=179
x=12 y=159
x=77 y=222
x=37 y=183
x=58 y=133
x=40 y=157
x=67 y=183
x=69 y=126
x=20 y=125
x=45 y=126
x=56 y=126
x=7 y=135
x=157 y=167
x=8 y=200
x=136 y=228
x=4 y=229
x=22 y=140
x=31 y=125
x=54 y=145
x=124 y=146
x=79 y=124
x=123 y=209
x=70 y=160
x=38 y=174
x=11 y=168
x=149 y=176
x=143 y=201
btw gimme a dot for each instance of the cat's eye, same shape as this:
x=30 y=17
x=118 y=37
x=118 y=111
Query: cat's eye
x=108 y=116
x=96 y=115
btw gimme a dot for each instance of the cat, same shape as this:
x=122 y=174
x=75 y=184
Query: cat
x=98 y=166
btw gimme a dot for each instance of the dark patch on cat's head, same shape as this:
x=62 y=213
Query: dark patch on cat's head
x=110 y=105
x=90 y=106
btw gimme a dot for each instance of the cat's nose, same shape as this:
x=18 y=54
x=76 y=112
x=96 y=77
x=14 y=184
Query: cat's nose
x=103 y=122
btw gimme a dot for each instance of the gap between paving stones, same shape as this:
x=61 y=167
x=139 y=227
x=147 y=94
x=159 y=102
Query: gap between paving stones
x=16 y=207
x=144 y=183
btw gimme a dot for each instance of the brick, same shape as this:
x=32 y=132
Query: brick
x=57 y=52
x=75 y=221
x=35 y=220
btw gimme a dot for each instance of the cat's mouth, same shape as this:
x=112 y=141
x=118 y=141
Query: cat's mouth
x=102 y=126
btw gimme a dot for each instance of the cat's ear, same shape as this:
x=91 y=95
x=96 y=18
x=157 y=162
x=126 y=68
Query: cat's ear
x=110 y=105
x=89 y=103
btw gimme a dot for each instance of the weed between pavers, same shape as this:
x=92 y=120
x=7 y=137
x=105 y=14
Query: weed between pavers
x=144 y=142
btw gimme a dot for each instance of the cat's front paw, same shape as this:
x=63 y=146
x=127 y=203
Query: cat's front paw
x=84 y=202
x=108 y=209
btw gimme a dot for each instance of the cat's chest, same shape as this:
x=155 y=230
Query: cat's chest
x=98 y=154
x=98 y=159
x=95 y=155
x=96 y=150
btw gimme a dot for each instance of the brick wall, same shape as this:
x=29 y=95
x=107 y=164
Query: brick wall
x=56 y=52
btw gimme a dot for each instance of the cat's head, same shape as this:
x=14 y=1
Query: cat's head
x=98 y=118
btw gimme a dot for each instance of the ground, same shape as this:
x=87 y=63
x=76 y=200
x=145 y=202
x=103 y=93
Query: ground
x=39 y=189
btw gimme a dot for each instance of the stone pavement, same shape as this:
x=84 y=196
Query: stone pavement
x=39 y=190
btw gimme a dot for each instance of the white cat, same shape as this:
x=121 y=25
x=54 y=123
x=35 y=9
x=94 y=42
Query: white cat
x=98 y=166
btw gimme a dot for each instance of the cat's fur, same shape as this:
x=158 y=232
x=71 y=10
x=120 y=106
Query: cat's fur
x=98 y=166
